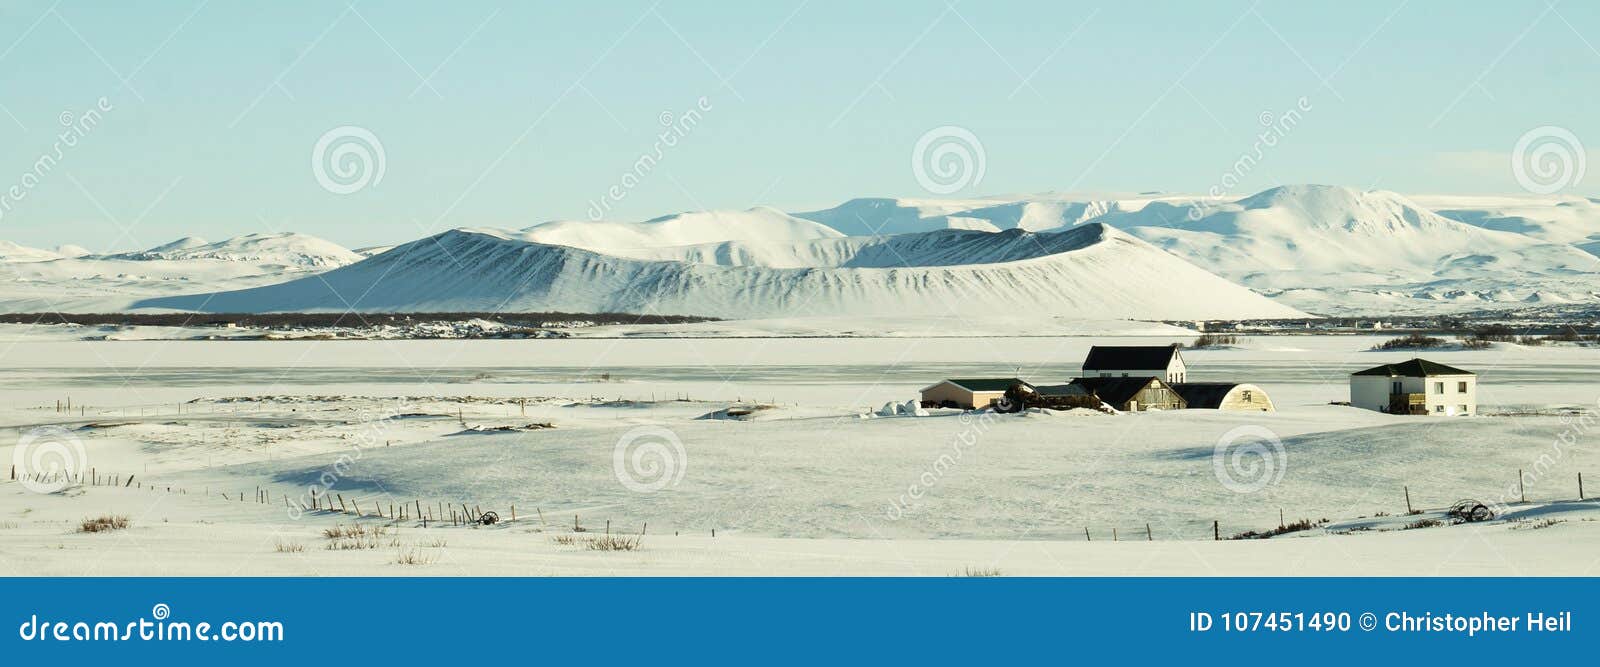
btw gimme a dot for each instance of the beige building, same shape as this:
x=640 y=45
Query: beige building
x=968 y=393
x=1238 y=396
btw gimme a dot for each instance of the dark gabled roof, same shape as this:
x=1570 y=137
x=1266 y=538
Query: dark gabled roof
x=984 y=384
x=1060 y=390
x=1203 y=394
x=1130 y=357
x=1414 y=368
x=1115 y=391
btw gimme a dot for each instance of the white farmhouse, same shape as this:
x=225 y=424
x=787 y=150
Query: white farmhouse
x=1137 y=361
x=1416 y=387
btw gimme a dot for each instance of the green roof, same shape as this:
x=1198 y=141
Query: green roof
x=984 y=384
x=1414 y=368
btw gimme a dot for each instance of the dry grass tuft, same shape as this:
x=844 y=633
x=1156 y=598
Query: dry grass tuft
x=415 y=557
x=970 y=571
x=289 y=547
x=342 y=531
x=103 y=524
x=564 y=540
x=612 y=543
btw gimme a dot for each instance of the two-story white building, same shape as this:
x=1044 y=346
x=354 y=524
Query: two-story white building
x=1111 y=361
x=1415 y=387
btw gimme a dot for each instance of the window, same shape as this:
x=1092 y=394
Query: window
x=1395 y=388
x=1124 y=375
x=1438 y=408
x=1246 y=396
x=1461 y=409
x=1438 y=387
x=1461 y=387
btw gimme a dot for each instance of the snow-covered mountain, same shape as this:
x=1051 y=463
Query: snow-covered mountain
x=1558 y=219
x=760 y=224
x=285 y=249
x=1313 y=248
x=1092 y=272
x=68 y=280
x=1320 y=248
x=1332 y=249
x=1036 y=213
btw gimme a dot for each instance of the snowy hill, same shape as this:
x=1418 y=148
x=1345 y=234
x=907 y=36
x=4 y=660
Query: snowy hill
x=13 y=252
x=285 y=249
x=757 y=224
x=1093 y=272
x=71 y=281
x=1332 y=249
x=1572 y=220
x=1036 y=213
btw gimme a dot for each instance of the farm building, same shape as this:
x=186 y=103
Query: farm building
x=1051 y=396
x=1415 y=387
x=1224 y=396
x=1132 y=394
x=968 y=393
x=1135 y=361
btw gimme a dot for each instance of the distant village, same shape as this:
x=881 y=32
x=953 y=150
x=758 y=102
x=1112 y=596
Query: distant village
x=1134 y=378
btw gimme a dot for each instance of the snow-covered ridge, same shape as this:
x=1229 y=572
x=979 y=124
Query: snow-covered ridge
x=1094 y=272
x=760 y=224
x=287 y=249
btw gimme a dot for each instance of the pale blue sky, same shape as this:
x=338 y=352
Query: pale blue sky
x=531 y=111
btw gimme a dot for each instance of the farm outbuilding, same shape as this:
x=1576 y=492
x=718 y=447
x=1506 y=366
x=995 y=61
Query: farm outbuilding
x=1224 y=396
x=967 y=393
x=1132 y=394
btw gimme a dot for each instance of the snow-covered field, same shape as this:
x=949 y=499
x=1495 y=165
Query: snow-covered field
x=242 y=431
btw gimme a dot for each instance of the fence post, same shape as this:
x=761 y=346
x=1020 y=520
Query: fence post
x=1408 y=499
x=1216 y=530
x=1521 y=486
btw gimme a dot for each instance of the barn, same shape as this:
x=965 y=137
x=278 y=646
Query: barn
x=967 y=393
x=1132 y=394
x=1224 y=396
